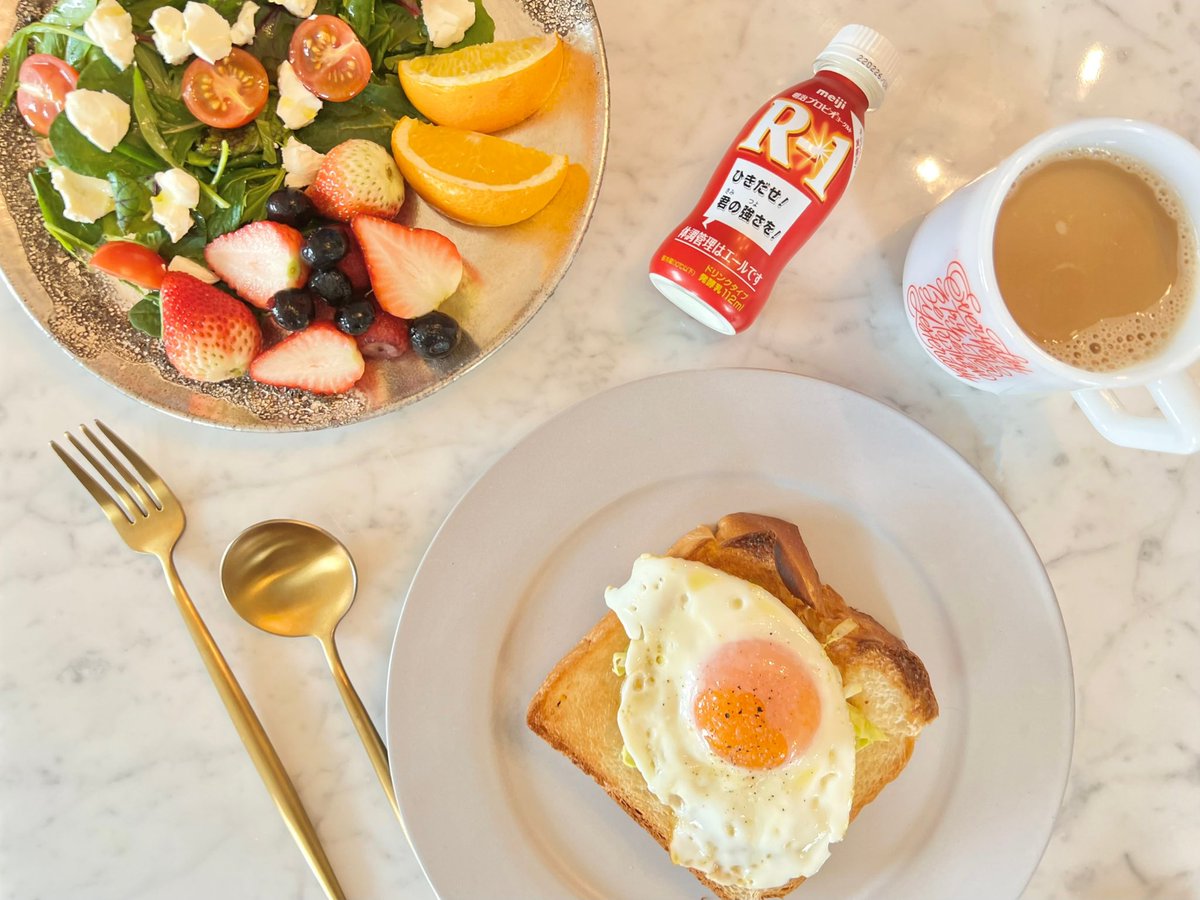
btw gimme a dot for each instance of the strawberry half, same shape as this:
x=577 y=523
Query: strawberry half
x=387 y=338
x=319 y=359
x=208 y=335
x=357 y=177
x=259 y=260
x=412 y=269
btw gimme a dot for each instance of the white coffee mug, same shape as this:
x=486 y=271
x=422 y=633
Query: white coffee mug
x=958 y=315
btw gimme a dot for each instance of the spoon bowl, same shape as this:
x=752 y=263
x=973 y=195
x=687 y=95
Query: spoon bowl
x=289 y=578
x=297 y=580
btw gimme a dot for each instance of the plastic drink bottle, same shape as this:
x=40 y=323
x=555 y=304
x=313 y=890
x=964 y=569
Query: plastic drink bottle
x=783 y=174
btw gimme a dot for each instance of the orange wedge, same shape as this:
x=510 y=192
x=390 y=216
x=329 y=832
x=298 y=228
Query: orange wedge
x=475 y=178
x=486 y=87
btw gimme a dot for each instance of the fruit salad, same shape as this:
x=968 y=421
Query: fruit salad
x=243 y=164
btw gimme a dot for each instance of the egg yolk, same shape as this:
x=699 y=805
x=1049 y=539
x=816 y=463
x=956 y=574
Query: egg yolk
x=755 y=704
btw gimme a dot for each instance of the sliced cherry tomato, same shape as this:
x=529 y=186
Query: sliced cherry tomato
x=131 y=262
x=229 y=93
x=44 y=81
x=329 y=59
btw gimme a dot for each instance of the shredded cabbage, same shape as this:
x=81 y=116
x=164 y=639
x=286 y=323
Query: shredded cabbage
x=865 y=731
x=844 y=627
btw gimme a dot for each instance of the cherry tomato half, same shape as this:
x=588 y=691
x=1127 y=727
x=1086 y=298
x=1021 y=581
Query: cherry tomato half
x=131 y=262
x=229 y=93
x=329 y=59
x=44 y=82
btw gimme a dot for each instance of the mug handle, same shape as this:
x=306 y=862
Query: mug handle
x=1176 y=431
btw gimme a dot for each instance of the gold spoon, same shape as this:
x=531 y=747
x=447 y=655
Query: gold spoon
x=297 y=580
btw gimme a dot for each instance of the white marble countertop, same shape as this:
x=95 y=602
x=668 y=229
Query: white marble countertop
x=119 y=774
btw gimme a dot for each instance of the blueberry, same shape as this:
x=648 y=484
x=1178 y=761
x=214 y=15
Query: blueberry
x=293 y=309
x=332 y=286
x=325 y=248
x=433 y=335
x=290 y=207
x=355 y=317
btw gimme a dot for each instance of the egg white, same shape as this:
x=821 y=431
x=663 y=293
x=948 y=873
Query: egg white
x=749 y=828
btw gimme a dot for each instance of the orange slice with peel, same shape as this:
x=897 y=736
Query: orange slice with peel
x=486 y=87
x=476 y=178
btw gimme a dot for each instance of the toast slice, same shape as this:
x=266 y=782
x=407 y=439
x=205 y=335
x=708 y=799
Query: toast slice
x=575 y=709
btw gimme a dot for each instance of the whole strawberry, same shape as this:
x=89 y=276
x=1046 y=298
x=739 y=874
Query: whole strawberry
x=207 y=334
x=357 y=177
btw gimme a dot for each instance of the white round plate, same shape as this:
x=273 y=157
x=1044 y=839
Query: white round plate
x=895 y=520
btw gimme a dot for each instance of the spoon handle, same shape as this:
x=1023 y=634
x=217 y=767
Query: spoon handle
x=362 y=722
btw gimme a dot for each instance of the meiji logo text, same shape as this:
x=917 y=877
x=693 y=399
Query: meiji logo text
x=837 y=101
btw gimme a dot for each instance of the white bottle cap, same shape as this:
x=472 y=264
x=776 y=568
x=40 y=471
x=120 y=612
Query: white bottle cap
x=864 y=56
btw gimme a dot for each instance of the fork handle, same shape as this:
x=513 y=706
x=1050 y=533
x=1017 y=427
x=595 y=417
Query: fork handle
x=258 y=745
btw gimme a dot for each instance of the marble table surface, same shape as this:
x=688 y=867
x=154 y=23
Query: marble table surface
x=119 y=774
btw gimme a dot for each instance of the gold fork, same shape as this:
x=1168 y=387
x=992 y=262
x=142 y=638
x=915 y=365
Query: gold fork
x=149 y=518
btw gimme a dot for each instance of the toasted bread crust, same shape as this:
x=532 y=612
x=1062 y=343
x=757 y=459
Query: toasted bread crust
x=575 y=709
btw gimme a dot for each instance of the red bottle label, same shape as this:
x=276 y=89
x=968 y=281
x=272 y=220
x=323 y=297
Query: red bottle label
x=788 y=167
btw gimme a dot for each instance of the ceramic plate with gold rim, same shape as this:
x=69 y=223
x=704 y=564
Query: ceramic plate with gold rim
x=510 y=271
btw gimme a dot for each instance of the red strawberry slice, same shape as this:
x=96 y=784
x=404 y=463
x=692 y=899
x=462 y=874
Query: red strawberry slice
x=208 y=335
x=357 y=177
x=319 y=359
x=412 y=269
x=259 y=260
x=387 y=338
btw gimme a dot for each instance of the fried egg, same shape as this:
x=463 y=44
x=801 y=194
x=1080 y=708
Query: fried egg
x=735 y=716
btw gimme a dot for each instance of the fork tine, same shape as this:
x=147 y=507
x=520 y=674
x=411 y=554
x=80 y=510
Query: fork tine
x=135 y=486
x=127 y=503
x=153 y=480
x=115 y=512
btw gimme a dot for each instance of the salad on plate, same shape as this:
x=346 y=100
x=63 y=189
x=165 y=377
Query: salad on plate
x=243 y=164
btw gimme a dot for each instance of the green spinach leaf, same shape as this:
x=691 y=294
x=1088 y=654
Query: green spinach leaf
x=77 y=153
x=146 y=316
x=15 y=53
x=142 y=10
x=371 y=115
x=100 y=74
x=135 y=217
x=71 y=12
x=395 y=31
x=77 y=238
x=360 y=14
x=272 y=40
x=54 y=44
x=146 y=118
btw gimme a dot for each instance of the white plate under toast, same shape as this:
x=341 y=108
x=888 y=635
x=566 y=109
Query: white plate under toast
x=895 y=520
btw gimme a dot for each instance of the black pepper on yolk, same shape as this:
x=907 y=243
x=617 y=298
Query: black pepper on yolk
x=756 y=705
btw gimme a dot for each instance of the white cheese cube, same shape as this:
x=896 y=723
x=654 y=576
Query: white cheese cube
x=301 y=163
x=447 y=21
x=208 y=34
x=300 y=8
x=188 y=267
x=297 y=105
x=242 y=32
x=178 y=194
x=101 y=117
x=84 y=199
x=112 y=30
x=170 y=35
